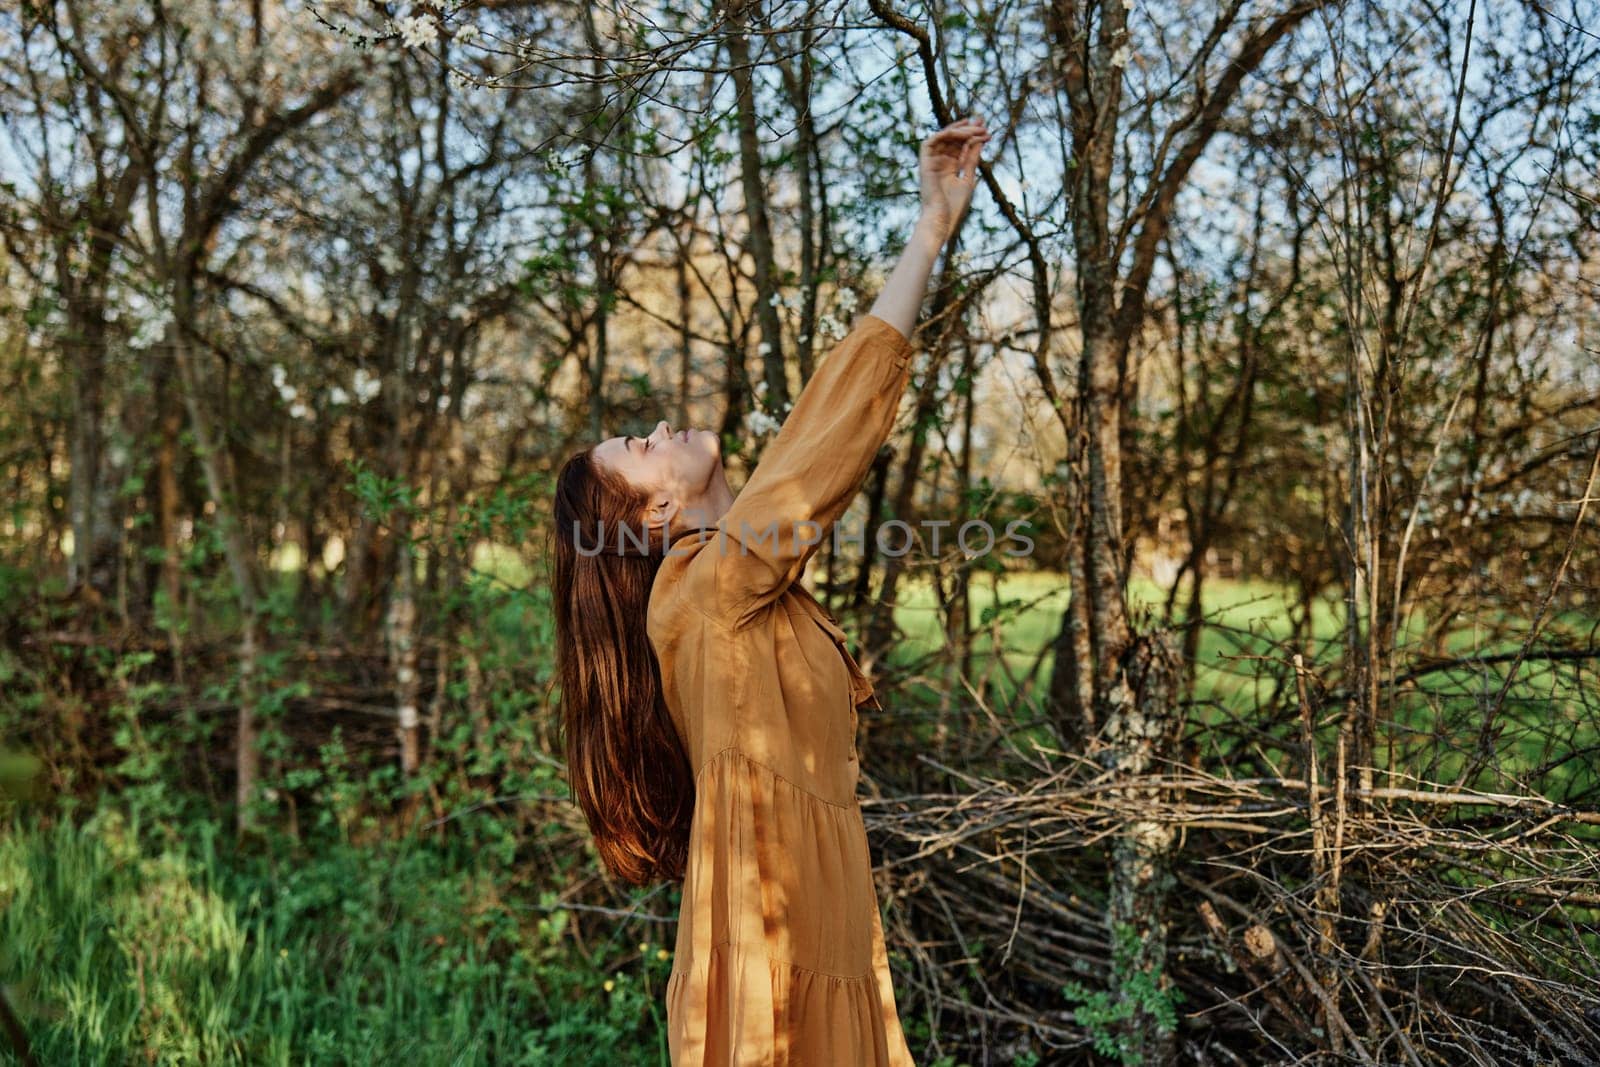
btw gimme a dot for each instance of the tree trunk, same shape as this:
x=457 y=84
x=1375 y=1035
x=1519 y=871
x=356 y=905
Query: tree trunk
x=169 y=411
x=1141 y=733
x=755 y=209
x=401 y=639
x=221 y=494
x=86 y=344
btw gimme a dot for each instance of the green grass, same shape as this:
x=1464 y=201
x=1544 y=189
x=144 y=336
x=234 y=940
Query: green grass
x=117 y=951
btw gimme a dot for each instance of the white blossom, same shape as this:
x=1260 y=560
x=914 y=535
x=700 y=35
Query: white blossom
x=366 y=385
x=467 y=33
x=760 y=423
x=390 y=262
x=299 y=410
x=1119 y=58
x=151 y=330
x=337 y=395
x=417 y=29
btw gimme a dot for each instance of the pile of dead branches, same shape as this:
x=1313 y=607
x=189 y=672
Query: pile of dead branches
x=1404 y=922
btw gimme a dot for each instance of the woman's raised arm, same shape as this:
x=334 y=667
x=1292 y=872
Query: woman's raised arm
x=814 y=467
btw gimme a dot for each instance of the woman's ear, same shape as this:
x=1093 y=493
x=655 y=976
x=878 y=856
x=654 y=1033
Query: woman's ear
x=659 y=512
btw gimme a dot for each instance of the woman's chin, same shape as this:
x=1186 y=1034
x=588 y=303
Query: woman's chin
x=715 y=473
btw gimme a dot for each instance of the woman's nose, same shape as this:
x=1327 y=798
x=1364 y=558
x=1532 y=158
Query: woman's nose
x=663 y=428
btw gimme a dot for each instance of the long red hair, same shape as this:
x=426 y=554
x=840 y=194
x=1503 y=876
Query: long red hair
x=625 y=763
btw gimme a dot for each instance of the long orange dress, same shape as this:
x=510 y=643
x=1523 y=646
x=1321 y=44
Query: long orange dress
x=780 y=959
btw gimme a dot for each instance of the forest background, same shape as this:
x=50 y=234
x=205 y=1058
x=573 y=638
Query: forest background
x=1275 y=321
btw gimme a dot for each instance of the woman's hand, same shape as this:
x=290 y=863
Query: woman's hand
x=948 y=163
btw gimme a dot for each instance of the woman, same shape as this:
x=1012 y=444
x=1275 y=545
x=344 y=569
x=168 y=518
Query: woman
x=709 y=701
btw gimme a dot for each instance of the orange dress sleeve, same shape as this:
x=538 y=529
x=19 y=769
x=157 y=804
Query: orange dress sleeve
x=808 y=474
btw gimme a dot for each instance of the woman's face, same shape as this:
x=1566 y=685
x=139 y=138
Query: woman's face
x=677 y=467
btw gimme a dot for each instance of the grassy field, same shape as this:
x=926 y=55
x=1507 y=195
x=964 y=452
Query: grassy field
x=1549 y=726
